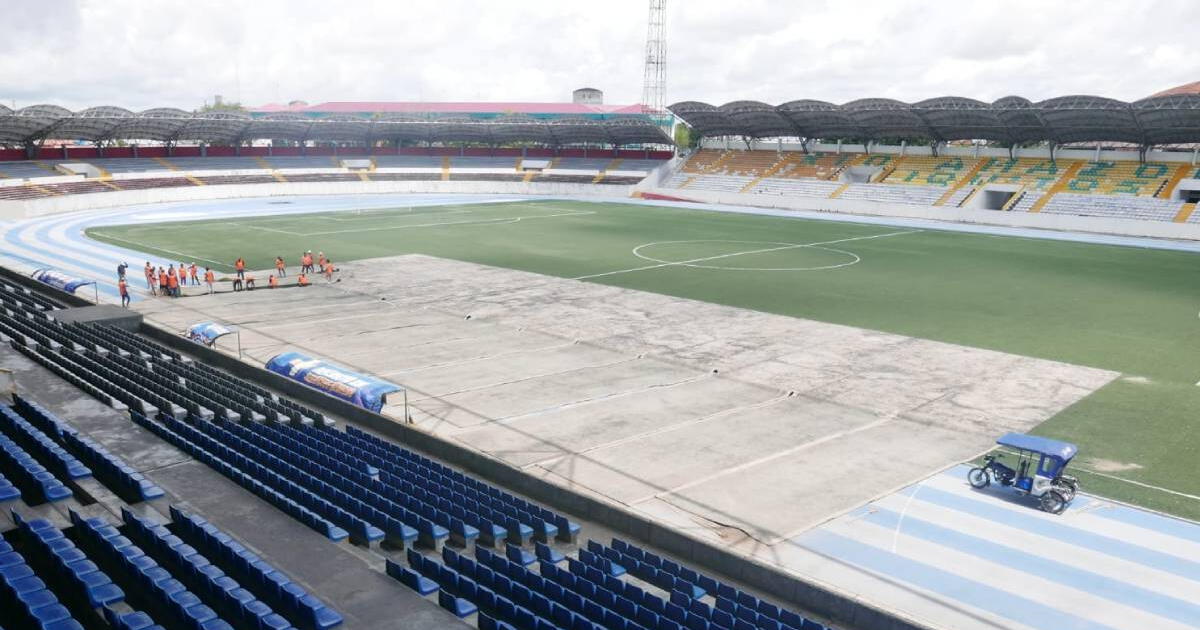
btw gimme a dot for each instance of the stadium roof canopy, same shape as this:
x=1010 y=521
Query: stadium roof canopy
x=99 y=124
x=1165 y=119
x=429 y=107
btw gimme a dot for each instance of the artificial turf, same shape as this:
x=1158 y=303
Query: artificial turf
x=1126 y=309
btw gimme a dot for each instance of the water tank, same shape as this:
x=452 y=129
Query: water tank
x=587 y=96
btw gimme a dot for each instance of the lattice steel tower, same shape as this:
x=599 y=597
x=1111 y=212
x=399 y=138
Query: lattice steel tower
x=654 y=82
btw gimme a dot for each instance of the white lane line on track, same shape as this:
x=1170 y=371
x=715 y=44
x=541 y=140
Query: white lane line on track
x=731 y=254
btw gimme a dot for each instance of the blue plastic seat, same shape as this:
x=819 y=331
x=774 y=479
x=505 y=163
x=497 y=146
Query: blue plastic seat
x=519 y=555
x=460 y=607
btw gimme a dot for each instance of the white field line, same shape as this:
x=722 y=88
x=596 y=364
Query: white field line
x=443 y=223
x=259 y=227
x=753 y=251
x=144 y=246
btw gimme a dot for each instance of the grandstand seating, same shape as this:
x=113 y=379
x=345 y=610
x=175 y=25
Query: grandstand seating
x=185 y=573
x=814 y=165
x=929 y=171
x=1117 y=207
x=33 y=180
x=893 y=193
x=381 y=491
x=1120 y=178
x=618 y=586
x=1031 y=173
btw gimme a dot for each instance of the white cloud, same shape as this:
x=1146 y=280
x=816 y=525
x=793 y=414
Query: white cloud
x=179 y=53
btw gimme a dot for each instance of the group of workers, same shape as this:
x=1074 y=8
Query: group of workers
x=168 y=282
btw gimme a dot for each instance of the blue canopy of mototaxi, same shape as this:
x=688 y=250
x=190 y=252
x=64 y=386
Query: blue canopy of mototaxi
x=1062 y=451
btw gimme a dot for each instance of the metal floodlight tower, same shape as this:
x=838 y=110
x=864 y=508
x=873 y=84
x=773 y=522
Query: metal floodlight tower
x=654 y=82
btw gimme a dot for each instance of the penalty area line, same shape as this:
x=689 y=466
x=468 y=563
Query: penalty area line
x=732 y=254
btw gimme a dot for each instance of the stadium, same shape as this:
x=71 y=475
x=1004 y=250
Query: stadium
x=533 y=365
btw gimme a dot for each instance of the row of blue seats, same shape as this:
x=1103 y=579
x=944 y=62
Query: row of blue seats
x=358 y=438
x=136 y=620
x=253 y=483
x=463 y=518
x=37 y=484
x=132 y=393
x=46 y=449
x=548 y=523
x=435 y=520
x=195 y=401
x=304 y=608
x=116 y=398
x=200 y=575
x=669 y=577
x=24 y=597
x=464 y=522
x=156 y=588
x=8 y=492
x=112 y=470
x=324 y=498
x=741 y=604
x=68 y=564
x=568 y=601
x=401 y=518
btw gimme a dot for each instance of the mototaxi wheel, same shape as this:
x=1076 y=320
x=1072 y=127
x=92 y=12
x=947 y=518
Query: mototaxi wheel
x=1053 y=502
x=978 y=478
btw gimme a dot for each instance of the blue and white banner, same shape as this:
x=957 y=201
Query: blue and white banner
x=60 y=280
x=207 y=333
x=362 y=390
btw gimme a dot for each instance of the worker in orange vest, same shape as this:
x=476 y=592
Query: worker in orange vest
x=306 y=262
x=280 y=268
x=272 y=282
x=209 y=279
x=163 y=287
x=302 y=280
x=123 y=289
x=240 y=266
x=173 y=282
x=328 y=271
x=192 y=274
x=321 y=261
x=151 y=278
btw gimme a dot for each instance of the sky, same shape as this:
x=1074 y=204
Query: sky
x=179 y=53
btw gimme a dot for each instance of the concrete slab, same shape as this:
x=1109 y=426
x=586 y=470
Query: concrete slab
x=612 y=392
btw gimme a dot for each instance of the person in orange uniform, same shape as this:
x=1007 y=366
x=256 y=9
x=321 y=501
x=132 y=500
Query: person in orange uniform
x=172 y=282
x=272 y=282
x=123 y=289
x=280 y=267
x=306 y=262
x=240 y=266
x=321 y=261
x=328 y=271
x=302 y=281
x=192 y=274
x=209 y=279
x=151 y=278
x=163 y=287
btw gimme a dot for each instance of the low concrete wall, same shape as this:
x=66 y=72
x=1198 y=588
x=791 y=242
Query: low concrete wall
x=848 y=612
x=1061 y=222
x=69 y=203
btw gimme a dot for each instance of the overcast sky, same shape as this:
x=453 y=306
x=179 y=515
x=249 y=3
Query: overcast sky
x=140 y=54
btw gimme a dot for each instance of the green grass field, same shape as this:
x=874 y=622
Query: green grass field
x=1124 y=309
